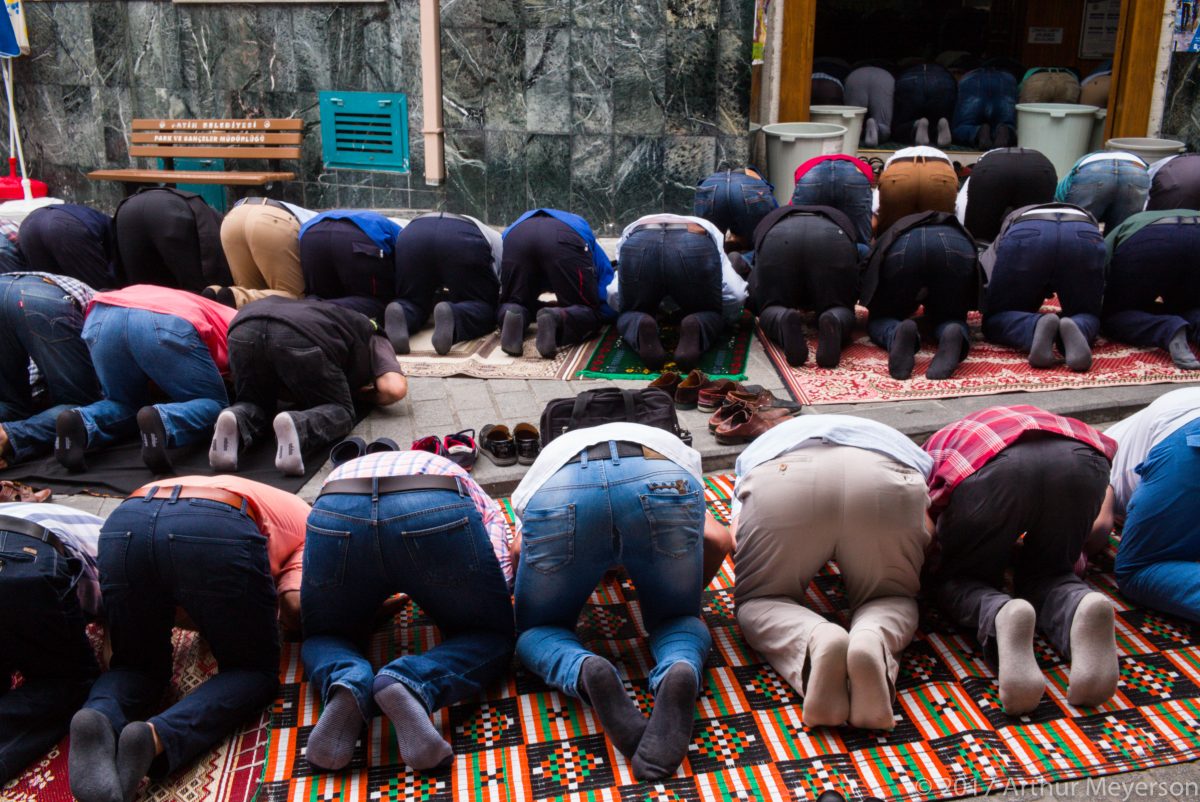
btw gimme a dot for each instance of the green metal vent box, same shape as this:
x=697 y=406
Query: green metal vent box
x=365 y=130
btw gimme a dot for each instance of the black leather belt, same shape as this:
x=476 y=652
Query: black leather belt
x=390 y=484
x=265 y=202
x=602 y=451
x=446 y=216
x=20 y=526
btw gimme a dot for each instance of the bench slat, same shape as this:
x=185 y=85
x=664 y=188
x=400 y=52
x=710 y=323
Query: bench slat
x=218 y=124
x=213 y=152
x=214 y=138
x=241 y=179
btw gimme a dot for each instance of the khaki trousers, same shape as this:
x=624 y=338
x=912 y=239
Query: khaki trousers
x=262 y=244
x=822 y=503
x=1050 y=87
x=915 y=185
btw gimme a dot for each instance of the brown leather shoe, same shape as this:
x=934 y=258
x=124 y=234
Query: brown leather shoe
x=713 y=396
x=745 y=425
x=687 y=392
x=761 y=399
x=727 y=411
x=667 y=382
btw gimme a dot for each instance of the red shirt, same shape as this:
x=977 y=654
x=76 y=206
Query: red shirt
x=862 y=166
x=965 y=446
x=210 y=318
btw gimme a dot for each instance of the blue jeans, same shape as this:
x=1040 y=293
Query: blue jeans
x=11 y=258
x=1112 y=190
x=209 y=558
x=1035 y=259
x=987 y=96
x=840 y=184
x=1156 y=263
x=42 y=636
x=926 y=91
x=133 y=347
x=938 y=259
x=39 y=321
x=428 y=544
x=734 y=201
x=1158 y=561
x=646 y=515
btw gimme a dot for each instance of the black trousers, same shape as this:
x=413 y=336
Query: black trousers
x=55 y=241
x=1045 y=486
x=159 y=243
x=805 y=262
x=342 y=265
x=42 y=636
x=273 y=363
x=542 y=254
x=447 y=257
x=1006 y=180
x=1176 y=185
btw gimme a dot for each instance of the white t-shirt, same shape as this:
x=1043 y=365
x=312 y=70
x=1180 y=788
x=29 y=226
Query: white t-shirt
x=1141 y=432
x=565 y=447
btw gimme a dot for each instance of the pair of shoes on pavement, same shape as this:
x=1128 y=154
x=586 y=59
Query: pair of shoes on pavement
x=71 y=440
x=460 y=447
x=227 y=444
x=502 y=446
x=698 y=391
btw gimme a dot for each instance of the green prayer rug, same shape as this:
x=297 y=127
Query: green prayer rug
x=727 y=359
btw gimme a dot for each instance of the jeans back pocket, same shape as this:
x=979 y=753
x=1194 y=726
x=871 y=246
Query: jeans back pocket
x=211 y=566
x=548 y=538
x=111 y=557
x=325 y=557
x=445 y=554
x=676 y=521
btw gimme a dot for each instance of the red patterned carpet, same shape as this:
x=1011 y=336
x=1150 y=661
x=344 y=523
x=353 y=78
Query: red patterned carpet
x=989 y=369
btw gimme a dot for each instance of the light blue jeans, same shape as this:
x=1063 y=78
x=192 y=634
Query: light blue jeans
x=1111 y=189
x=645 y=515
x=133 y=347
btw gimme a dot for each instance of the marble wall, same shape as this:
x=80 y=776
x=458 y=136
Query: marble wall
x=612 y=108
x=1181 y=117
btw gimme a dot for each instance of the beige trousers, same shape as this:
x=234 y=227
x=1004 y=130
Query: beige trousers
x=822 y=503
x=1050 y=87
x=262 y=244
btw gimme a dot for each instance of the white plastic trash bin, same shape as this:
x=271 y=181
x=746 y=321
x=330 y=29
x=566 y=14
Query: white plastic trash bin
x=850 y=116
x=1061 y=131
x=1149 y=148
x=791 y=144
x=1097 y=141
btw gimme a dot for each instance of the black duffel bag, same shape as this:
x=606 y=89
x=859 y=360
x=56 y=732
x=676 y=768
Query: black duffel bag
x=649 y=407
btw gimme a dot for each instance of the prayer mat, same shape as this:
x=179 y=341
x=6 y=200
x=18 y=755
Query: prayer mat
x=727 y=359
x=230 y=773
x=524 y=741
x=989 y=369
x=483 y=359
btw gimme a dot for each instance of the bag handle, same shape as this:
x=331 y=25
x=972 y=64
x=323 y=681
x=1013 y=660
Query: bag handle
x=630 y=414
x=581 y=401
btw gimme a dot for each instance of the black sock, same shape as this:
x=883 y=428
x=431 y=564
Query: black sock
x=665 y=742
x=154 y=440
x=92 y=759
x=649 y=346
x=135 y=753
x=795 y=343
x=620 y=717
x=688 y=351
x=901 y=356
x=70 y=440
x=949 y=354
x=829 y=339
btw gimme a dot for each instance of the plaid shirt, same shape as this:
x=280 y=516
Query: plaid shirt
x=965 y=446
x=81 y=293
x=410 y=463
x=9 y=228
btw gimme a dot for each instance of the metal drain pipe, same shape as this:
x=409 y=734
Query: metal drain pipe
x=431 y=92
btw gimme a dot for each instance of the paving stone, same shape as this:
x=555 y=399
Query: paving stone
x=423 y=389
x=506 y=386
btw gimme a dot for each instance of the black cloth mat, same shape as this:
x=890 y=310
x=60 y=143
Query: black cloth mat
x=119 y=470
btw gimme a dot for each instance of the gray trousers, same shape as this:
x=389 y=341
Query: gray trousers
x=875 y=88
x=1049 y=489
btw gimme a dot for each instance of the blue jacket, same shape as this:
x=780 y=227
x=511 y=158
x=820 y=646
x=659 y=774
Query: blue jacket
x=380 y=229
x=604 y=268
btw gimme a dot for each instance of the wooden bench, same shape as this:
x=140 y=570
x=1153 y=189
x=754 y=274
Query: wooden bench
x=271 y=140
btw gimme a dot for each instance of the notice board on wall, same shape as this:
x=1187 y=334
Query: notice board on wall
x=1098 y=34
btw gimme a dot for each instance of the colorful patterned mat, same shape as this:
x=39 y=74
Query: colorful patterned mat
x=482 y=358
x=613 y=359
x=526 y=742
x=989 y=369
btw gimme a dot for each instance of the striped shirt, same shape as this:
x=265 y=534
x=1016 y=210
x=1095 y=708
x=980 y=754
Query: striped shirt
x=79 y=532
x=965 y=446
x=411 y=463
x=10 y=229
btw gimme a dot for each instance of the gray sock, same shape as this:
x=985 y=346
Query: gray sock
x=1095 y=669
x=135 y=753
x=623 y=722
x=1021 y=681
x=331 y=742
x=92 y=759
x=1041 y=353
x=1075 y=345
x=422 y=746
x=665 y=742
x=1181 y=352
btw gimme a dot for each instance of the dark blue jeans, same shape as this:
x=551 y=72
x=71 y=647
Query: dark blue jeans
x=734 y=201
x=657 y=263
x=342 y=265
x=938 y=260
x=646 y=515
x=39 y=321
x=1111 y=189
x=1034 y=260
x=159 y=553
x=42 y=636
x=926 y=91
x=132 y=348
x=1158 y=262
x=1158 y=561
x=986 y=96
x=11 y=257
x=428 y=544
x=840 y=184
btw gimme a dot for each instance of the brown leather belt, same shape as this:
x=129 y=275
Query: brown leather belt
x=602 y=451
x=265 y=202
x=366 y=485
x=165 y=492
x=695 y=228
x=20 y=526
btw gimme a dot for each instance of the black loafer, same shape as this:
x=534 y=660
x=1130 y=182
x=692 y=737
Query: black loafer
x=348 y=449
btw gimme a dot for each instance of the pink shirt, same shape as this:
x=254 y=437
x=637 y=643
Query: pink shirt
x=282 y=518
x=210 y=318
